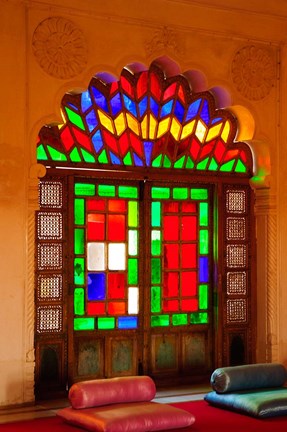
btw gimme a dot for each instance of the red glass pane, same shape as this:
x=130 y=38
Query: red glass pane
x=188 y=283
x=189 y=305
x=155 y=86
x=93 y=204
x=181 y=94
x=96 y=308
x=116 y=308
x=114 y=87
x=230 y=154
x=171 y=257
x=194 y=148
x=170 y=207
x=127 y=87
x=136 y=144
x=170 y=287
x=188 y=255
x=124 y=143
x=206 y=150
x=82 y=139
x=117 y=205
x=116 y=228
x=170 y=228
x=96 y=227
x=116 y=285
x=169 y=92
x=219 y=150
x=189 y=227
x=111 y=141
x=142 y=84
x=67 y=138
x=182 y=146
x=170 y=305
x=188 y=207
x=242 y=155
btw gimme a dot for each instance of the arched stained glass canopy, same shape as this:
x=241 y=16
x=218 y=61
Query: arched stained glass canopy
x=144 y=120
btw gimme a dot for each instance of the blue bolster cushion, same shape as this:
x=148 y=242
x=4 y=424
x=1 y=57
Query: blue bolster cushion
x=253 y=376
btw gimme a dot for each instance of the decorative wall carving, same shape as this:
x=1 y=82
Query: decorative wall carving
x=60 y=47
x=165 y=39
x=253 y=72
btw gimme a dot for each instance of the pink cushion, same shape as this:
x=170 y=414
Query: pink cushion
x=128 y=417
x=87 y=394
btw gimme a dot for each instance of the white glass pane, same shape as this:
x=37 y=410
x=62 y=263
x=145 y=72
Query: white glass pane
x=133 y=301
x=96 y=256
x=117 y=256
x=133 y=242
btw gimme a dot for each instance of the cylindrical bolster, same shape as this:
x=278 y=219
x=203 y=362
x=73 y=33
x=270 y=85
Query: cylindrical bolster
x=88 y=394
x=254 y=376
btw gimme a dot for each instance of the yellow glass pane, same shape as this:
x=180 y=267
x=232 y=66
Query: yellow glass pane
x=152 y=126
x=163 y=127
x=226 y=131
x=144 y=127
x=120 y=123
x=175 y=129
x=213 y=132
x=200 y=131
x=106 y=121
x=187 y=129
x=60 y=126
x=133 y=123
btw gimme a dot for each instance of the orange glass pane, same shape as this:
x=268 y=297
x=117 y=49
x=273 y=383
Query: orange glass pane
x=117 y=205
x=116 y=308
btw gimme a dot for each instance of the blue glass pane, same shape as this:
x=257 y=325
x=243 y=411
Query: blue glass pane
x=148 y=146
x=205 y=112
x=97 y=141
x=166 y=109
x=143 y=106
x=216 y=120
x=86 y=101
x=130 y=105
x=127 y=322
x=91 y=120
x=115 y=160
x=74 y=107
x=138 y=161
x=100 y=99
x=179 y=111
x=116 y=104
x=203 y=269
x=96 y=286
x=193 y=109
x=154 y=106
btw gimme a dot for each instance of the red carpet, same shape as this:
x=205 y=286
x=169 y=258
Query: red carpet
x=207 y=419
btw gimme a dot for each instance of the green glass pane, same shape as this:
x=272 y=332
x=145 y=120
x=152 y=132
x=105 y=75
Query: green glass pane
x=240 y=167
x=128 y=192
x=88 y=157
x=41 y=154
x=132 y=271
x=79 y=301
x=199 y=318
x=103 y=158
x=106 y=190
x=128 y=159
x=106 y=323
x=160 y=321
x=155 y=270
x=203 y=214
x=84 y=324
x=79 y=211
x=133 y=242
x=189 y=163
x=179 y=319
x=79 y=271
x=179 y=163
x=203 y=296
x=79 y=246
x=160 y=192
x=213 y=166
x=85 y=189
x=199 y=194
x=156 y=242
x=133 y=214
x=155 y=299
x=180 y=193
x=202 y=165
x=56 y=155
x=203 y=242
x=227 y=167
x=157 y=161
x=75 y=118
x=75 y=156
x=166 y=162
x=156 y=214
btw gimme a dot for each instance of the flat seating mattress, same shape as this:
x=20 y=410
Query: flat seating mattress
x=260 y=403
